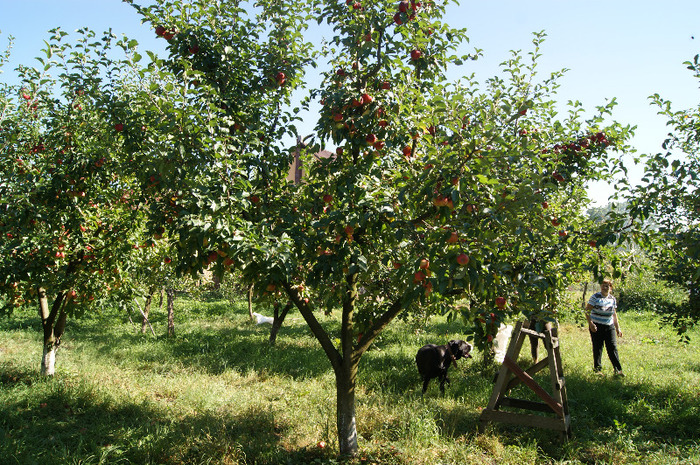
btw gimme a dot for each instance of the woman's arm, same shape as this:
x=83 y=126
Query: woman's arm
x=617 y=324
x=591 y=326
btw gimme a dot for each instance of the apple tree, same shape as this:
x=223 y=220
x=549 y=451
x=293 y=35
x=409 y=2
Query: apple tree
x=438 y=196
x=666 y=206
x=71 y=230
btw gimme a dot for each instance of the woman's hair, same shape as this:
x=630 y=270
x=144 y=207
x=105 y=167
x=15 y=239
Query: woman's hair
x=608 y=282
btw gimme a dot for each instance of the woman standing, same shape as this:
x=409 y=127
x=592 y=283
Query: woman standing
x=604 y=327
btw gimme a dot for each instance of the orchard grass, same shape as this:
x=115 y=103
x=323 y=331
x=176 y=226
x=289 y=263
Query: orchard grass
x=218 y=393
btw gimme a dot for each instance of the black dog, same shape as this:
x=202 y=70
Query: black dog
x=433 y=361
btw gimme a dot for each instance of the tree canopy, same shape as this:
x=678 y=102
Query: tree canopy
x=440 y=196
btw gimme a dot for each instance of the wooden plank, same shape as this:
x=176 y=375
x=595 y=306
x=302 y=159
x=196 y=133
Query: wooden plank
x=498 y=388
x=536 y=421
x=561 y=382
x=532 y=384
x=534 y=369
x=531 y=332
x=516 y=342
x=525 y=404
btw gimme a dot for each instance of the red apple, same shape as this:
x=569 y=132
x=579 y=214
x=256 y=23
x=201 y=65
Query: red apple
x=349 y=230
x=555 y=221
x=500 y=302
x=160 y=30
x=407 y=151
x=281 y=78
x=563 y=233
x=371 y=138
x=337 y=117
x=545 y=205
x=416 y=54
x=403 y=6
x=397 y=19
x=396 y=265
x=418 y=277
x=254 y=198
x=592 y=243
x=386 y=85
x=321 y=444
x=463 y=259
x=167 y=260
x=367 y=99
x=424 y=264
x=379 y=145
x=454 y=238
x=119 y=127
x=328 y=198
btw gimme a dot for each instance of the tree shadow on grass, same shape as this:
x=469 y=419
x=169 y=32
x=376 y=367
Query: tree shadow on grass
x=614 y=411
x=210 y=347
x=66 y=422
x=624 y=412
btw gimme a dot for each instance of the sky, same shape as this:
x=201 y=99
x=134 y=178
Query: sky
x=623 y=49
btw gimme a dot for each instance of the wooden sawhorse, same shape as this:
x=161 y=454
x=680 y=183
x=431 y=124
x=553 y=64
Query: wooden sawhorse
x=510 y=375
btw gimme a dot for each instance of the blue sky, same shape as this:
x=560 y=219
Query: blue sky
x=613 y=48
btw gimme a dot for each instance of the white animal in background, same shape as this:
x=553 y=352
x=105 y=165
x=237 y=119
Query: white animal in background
x=500 y=343
x=262 y=319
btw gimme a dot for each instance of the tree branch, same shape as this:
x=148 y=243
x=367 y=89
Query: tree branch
x=318 y=331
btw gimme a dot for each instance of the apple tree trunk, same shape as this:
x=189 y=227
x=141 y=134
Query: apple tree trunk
x=53 y=322
x=171 y=311
x=278 y=320
x=250 y=303
x=346 y=359
x=345 y=378
x=146 y=311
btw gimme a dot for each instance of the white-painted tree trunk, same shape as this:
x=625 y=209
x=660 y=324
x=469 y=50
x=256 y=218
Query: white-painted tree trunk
x=48 y=361
x=346 y=422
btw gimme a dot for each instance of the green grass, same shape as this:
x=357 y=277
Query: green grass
x=217 y=393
